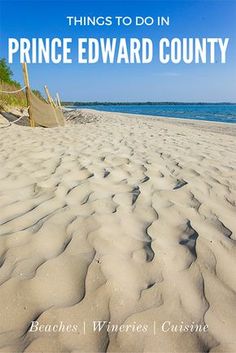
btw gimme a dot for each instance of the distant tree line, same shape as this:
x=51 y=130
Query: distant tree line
x=78 y=104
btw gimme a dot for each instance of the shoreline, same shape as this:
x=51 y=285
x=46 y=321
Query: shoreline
x=182 y=120
x=151 y=115
x=227 y=128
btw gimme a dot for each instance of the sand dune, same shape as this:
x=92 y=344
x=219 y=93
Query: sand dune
x=123 y=219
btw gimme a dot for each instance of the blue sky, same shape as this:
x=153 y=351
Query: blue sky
x=120 y=82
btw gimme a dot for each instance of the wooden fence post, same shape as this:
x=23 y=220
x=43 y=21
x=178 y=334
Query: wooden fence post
x=59 y=101
x=51 y=102
x=26 y=81
x=49 y=98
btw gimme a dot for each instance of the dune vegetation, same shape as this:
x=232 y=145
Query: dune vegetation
x=8 y=84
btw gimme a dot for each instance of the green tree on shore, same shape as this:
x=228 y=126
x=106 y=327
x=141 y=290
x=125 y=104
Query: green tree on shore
x=6 y=73
x=8 y=84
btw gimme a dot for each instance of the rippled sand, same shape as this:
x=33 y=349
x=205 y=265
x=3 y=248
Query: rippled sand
x=117 y=218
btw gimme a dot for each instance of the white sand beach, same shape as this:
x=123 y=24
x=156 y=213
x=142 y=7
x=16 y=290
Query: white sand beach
x=118 y=218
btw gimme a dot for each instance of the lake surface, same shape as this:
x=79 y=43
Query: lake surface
x=212 y=112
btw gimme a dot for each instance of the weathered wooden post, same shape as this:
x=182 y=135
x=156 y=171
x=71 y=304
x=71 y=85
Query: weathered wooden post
x=51 y=102
x=59 y=101
x=27 y=90
x=49 y=98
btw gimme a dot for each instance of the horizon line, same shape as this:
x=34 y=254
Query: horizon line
x=142 y=102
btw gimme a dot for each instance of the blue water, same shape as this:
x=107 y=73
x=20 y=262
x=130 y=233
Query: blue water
x=212 y=112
